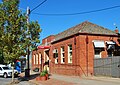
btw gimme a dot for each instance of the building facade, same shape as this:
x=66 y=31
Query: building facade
x=72 y=51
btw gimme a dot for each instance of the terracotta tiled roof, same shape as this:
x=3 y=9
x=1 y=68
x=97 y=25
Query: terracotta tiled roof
x=85 y=27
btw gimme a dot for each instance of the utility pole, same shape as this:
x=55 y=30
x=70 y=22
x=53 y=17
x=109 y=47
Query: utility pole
x=27 y=71
x=13 y=73
x=28 y=14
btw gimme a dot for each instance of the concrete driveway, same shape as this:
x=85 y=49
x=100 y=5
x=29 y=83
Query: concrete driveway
x=87 y=80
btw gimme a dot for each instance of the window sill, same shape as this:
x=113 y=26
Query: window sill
x=62 y=63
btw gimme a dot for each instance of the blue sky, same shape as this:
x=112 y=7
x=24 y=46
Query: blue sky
x=56 y=24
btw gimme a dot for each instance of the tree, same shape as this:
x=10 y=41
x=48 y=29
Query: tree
x=1 y=57
x=14 y=31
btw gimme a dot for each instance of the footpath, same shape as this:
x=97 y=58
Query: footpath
x=56 y=79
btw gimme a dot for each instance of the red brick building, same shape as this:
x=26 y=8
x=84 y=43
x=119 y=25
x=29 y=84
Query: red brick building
x=72 y=51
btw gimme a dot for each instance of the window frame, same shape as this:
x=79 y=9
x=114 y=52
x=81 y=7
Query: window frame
x=97 y=55
x=56 y=56
x=39 y=58
x=70 y=53
x=34 y=59
x=62 y=54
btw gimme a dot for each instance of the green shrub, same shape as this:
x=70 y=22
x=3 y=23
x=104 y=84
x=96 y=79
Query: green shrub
x=46 y=71
x=42 y=73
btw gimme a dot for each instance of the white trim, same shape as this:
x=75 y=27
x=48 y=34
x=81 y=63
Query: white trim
x=44 y=57
x=110 y=42
x=39 y=58
x=69 y=55
x=99 y=44
x=62 y=52
x=55 y=51
x=99 y=53
x=46 y=49
x=56 y=60
x=36 y=58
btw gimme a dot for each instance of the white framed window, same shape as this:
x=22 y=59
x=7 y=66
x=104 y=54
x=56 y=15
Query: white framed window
x=40 y=58
x=62 y=54
x=97 y=53
x=55 y=55
x=36 y=58
x=44 y=57
x=56 y=58
x=69 y=53
x=47 y=55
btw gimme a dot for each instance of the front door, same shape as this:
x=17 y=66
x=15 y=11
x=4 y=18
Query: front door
x=46 y=65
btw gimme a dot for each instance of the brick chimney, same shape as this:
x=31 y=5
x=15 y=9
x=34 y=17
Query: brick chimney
x=116 y=30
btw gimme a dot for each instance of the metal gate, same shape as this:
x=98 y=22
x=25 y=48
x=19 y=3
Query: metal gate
x=107 y=66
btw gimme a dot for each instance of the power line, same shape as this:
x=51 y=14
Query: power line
x=38 y=5
x=86 y=12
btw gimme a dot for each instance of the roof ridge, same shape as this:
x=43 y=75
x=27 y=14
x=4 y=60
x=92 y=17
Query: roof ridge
x=73 y=27
x=84 y=27
x=100 y=26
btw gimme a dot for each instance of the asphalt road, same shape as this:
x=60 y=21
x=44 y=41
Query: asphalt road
x=7 y=81
x=4 y=81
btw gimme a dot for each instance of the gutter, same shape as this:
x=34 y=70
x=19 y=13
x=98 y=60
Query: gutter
x=83 y=33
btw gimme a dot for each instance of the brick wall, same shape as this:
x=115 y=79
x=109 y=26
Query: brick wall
x=36 y=61
x=82 y=55
x=48 y=39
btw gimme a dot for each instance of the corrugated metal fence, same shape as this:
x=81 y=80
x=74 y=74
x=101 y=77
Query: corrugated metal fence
x=107 y=66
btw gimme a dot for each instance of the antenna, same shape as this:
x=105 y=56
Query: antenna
x=116 y=28
x=115 y=25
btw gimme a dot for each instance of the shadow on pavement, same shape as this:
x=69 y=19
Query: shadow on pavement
x=22 y=78
x=31 y=77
